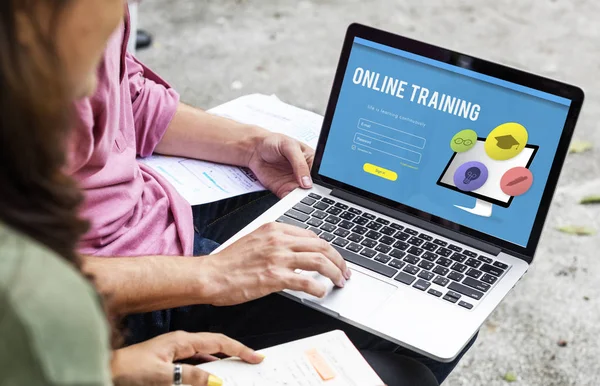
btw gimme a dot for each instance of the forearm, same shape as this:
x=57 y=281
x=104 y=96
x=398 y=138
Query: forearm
x=144 y=284
x=194 y=133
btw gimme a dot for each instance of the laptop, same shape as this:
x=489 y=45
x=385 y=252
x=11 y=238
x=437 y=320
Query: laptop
x=433 y=177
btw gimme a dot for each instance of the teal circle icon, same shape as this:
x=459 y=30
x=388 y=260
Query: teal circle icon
x=463 y=141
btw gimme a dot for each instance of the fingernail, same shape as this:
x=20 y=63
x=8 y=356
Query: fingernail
x=342 y=283
x=348 y=274
x=214 y=381
x=306 y=182
x=260 y=356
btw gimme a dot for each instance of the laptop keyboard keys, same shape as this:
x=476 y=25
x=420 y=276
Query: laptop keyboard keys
x=328 y=201
x=388 y=231
x=334 y=211
x=346 y=224
x=384 y=259
x=411 y=259
x=405 y=278
x=315 y=196
x=428 y=265
x=360 y=230
x=304 y=209
x=451 y=299
x=369 y=216
x=485 y=259
x=366 y=263
x=327 y=236
x=416 y=241
x=489 y=279
x=439 y=242
x=466 y=305
x=429 y=256
x=441 y=281
x=444 y=252
x=341 y=242
x=429 y=246
x=316 y=231
x=308 y=201
x=398 y=254
x=500 y=265
x=474 y=273
x=369 y=243
x=411 y=269
x=491 y=270
x=467 y=291
x=368 y=253
x=328 y=227
x=425 y=237
x=347 y=216
x=478 y=285
x=387 y=240
x=426 y=275
x=321 y=205
x=434 y=292
x=401 y=245
x=396 y=264
x=422 y=285
x=401 y=236
x=458 y=257
x=445 y=262
x=355 y=238
x=396 y=226
x=289 y=221
x=320 y=215
x=341 y=232
x=383 y=248
x=373 y=235
x=354 y=247
x=315 y=222
x=411 y=232
x=441 y=270
x=455 y=248
x=374 y=225
x=456 y=276
x=469 y=253
x=297 y=215
x=415 y=251
x=459 y=267
x=360 y=221
x=471 y=262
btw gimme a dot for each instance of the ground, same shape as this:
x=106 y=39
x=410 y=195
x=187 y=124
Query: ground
x=213 y=51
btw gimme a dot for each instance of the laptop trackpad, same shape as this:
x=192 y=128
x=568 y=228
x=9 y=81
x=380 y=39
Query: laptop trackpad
x=362 y=294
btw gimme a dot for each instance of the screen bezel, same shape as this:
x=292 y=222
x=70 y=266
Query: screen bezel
x=481 y=66
x=480 y=196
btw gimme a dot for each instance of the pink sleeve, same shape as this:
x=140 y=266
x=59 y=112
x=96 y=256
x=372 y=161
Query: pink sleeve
x=154 y=105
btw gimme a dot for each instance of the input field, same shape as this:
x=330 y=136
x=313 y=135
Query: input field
x=390 y=134
x=384 y=147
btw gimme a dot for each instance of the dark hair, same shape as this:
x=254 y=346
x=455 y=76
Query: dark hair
x=36 y=197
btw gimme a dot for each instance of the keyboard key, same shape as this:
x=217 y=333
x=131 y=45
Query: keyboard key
x=374 y=225
x=321 y=205
x=491 y=269
x=472 y=272
x=459 y=267
x=369 y=243
x=317 y=231
x=347 y=216
x=368 y=253
x=441 y=281
x=416 y=241
x=315 y=196
x=471 y=262
x=360 y=221
x=289 y=221
x=396 y=263
x=411 y=232
x=405 y=278
x=397 y=254
x=355 y=237
x=466 y=305
x=440 y=242
x=328 y=201
x=341 y=206
x=297 y=215
x=469 y=253
x=327 y=236
x=388 y=231
x=328 y=227
x=369 y=216
x=426 y=275
x=354 y=247
x=455 y=248
x=383 y=258
x=459 y=257
x=334 y=211
x=415 y=251
x=341 y=232
x=411 y=269
x=396 y=226
x=354 y=211
x=441 y=270
x=422 y=285
x=401 y=245
x=429 y=256
x=450 y=299
x=467 y=291
x=445 y=262
x=485 y=259
x=387 y=240
x=489 y=279
x=341 y=242
x=444 y=252
x=315 y=222
x=346 y=224
x=429 y=246
x=383 y=248
x=401 y=236
x=411 y=259
x=455 y=276
x=500 y=265
x=425 y=237
x=478 y=285
x=455 y=295
x=428 y=265
x=434 y=292
x=308 y=201
x=366 y=263
x=320 y=215
x=382 y=221
x=304 y=209
x=360 y=230
x=373 y=235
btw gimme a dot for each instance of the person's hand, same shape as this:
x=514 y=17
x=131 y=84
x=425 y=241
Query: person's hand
x=282 y=164
x=151 y=363
x=265 y=261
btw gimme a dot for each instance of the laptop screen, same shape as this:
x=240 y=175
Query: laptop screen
x=466 y=147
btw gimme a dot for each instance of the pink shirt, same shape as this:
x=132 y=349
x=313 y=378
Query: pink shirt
x=133 y=211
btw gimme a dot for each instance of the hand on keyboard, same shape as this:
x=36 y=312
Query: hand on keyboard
x=265 y=261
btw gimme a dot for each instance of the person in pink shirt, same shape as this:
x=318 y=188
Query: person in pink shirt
x=144 y=235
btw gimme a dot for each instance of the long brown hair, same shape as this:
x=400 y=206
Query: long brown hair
x=36 y=197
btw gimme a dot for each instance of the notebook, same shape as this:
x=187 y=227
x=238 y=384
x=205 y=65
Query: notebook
x=329 y=359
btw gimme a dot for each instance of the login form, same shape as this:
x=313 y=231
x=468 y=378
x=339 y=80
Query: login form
x=449 y=141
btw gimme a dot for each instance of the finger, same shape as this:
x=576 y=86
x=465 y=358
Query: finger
x=291 y=230
x=292 y=150
x=203 y=358
x=194 y=376
x=303 y=283
x=322 y=246
x=207 y=343
x=317 y=262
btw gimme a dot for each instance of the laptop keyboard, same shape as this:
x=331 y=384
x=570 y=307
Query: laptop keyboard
x=404 y=254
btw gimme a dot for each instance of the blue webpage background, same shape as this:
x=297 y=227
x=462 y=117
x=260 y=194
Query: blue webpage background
x=544 y=120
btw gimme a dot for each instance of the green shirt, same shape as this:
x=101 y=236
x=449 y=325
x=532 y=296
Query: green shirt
x=52 y=328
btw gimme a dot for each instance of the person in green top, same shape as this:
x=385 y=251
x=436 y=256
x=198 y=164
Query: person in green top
x=53 y=329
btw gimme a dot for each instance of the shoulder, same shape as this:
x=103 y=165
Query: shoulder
x=54 y=311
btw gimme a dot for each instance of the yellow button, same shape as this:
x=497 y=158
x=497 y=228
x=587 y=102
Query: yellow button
x=380 y=172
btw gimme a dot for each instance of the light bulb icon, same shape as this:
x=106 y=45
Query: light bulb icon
x=471 y=174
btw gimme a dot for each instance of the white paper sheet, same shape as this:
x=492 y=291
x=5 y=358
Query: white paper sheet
x=289 y=365
x=201 y=182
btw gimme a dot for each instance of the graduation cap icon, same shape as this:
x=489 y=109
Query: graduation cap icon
x=506 y=142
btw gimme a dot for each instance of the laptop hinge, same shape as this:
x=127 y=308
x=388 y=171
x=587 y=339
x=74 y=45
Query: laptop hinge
x=434 y=228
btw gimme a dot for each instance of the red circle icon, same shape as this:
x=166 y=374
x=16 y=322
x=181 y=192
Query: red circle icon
x=516 y=181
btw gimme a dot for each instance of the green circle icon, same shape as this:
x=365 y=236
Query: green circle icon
x=463 y=141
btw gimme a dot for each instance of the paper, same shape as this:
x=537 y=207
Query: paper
x=294 y=364
x=201 y=182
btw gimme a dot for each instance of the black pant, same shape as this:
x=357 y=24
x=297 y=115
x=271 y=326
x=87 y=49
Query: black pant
x=274 y=319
